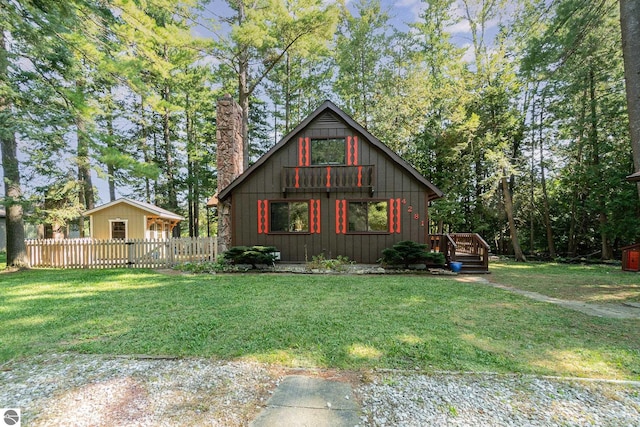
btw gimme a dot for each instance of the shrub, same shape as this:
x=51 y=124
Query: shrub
x=251 y=255
x=320 y=262
x=219 y=266
x=408 y=252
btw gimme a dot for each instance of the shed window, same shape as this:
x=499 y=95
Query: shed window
x=290 y=217
x=118 y=230
x=368 y=216
x=328 y=151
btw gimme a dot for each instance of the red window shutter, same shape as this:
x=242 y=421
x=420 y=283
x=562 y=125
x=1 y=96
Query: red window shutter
x=394 y=215
x=341 y=216
x=315 y=216
x=304 y=155
x=355 y=150
x=300 y=151
x=352 y=150
x=263 y=216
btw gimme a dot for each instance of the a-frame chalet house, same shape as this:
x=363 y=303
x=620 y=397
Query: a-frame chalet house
x=328 y=187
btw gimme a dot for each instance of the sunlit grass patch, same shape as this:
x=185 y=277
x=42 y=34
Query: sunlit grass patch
x=579 y=362
x=589 y=283
x=363 y=351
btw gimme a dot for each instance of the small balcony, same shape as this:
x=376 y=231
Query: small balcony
x=328 y=178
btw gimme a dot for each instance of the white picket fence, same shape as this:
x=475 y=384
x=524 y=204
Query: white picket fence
x=134 y=253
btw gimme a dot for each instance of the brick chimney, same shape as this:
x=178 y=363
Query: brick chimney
x=230 y=160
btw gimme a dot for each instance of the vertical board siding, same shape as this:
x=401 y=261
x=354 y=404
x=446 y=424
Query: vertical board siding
x=328 y=230
x=135 y=253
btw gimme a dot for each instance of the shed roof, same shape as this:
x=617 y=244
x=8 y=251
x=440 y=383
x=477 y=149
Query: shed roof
x=634 y=177
x=330 y=106
x=213 y=201
x=155 y=210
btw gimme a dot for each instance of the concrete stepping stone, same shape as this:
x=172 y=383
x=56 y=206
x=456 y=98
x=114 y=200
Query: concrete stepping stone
x=314 y=402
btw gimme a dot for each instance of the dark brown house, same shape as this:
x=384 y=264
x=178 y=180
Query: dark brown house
x=328 y=187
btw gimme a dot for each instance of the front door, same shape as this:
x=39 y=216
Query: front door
x=634 y=260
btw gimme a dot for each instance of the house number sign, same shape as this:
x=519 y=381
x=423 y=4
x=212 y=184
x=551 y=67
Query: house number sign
x=416 y=216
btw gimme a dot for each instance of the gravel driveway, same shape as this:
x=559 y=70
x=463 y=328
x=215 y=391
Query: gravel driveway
x=89 y=390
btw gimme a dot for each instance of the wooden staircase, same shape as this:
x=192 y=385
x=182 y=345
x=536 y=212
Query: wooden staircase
x=472 y=264
x=468 y=248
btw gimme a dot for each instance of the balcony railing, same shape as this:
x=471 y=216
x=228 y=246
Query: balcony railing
x=328 y=178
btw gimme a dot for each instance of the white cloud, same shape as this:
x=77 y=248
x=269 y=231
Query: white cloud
x=459 y=27
x=469 y=54
x=415 y=8
x=406 y=3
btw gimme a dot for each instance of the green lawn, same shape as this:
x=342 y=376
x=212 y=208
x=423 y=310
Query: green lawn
x=589 y=283
x=352 y=322
x=3 y=260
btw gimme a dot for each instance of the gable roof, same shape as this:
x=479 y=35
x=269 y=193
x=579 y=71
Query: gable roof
x=162 y=213
x=330 y=106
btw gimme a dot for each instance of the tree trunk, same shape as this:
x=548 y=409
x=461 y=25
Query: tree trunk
x=287 y=95
x=145 y=149
x=572 y=244
x=630 y=27
x=16 y=249
x=532 y=176
x=243 y=89
x=85 y=192
x=157 y=193
x=545 y=198
x=513 y=232
x=192 y=172
x=577 y=194
x=606 y=250
x=111 y=169
x=172 y=193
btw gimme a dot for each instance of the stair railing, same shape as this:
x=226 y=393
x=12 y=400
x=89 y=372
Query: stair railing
x=472 y=244
x=445 y=244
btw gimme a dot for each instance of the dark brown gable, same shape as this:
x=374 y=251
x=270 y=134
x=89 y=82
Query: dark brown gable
x=330 y=121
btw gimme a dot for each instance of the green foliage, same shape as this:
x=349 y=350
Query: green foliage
x=409 y=252
x=252 y=255
x=219 y=266
x=320 y=262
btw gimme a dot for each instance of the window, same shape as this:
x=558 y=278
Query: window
x=118 y=229
x=328 y=151
x=290 y=217
x=368 y=216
